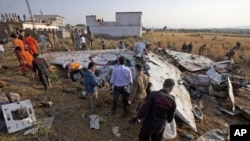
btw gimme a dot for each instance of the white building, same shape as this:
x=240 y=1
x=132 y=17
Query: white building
x=51 y=20
x=126 y=24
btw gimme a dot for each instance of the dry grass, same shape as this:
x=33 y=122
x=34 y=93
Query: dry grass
x=68 y=108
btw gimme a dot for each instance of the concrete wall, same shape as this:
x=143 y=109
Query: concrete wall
x=129 y=18
x=116 y=31
x=126 y=24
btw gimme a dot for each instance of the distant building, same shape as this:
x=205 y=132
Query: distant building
x=55 y=20
x=126 y=24
x=41 y=23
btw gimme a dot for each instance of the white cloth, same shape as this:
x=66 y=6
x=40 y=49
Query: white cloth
x=1 y=48
x=83 y=40
x=94 y=121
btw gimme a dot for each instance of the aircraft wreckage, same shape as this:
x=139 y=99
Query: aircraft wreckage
x=159 y=67
x=158 y=70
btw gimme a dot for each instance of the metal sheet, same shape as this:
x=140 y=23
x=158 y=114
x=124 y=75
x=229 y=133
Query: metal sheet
x=161 y=70
x=18 y=115
x=190 y=62
x=231 y=95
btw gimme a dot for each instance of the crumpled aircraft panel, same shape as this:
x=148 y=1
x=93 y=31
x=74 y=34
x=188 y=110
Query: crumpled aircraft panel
x=189 y=61
x=161 y=70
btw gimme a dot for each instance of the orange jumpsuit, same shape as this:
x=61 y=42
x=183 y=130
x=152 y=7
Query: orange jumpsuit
x=17 y=42
x=26 y=60
x=32 y=45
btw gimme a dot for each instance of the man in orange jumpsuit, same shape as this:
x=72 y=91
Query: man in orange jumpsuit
x=25 y=59
x=17 y=42
x=32 y=44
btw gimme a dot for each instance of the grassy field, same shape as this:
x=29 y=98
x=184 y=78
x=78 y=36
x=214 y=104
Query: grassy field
x=68 y=109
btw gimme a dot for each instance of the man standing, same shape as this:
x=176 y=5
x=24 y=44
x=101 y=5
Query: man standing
x=91 y=84
x=83 y=42
x=158 y=109
x=41 y=69
x=139 y=86
x=201 y=49
x=43 y=40
x=51 y=40
x=121 y=77
x=55 y=40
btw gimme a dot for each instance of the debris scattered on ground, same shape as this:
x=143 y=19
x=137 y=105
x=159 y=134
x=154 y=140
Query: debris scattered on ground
x=115 y=130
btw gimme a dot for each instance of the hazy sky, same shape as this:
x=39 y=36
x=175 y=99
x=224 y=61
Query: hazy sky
x=156 y=13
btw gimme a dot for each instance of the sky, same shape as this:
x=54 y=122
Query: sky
x=155 y=13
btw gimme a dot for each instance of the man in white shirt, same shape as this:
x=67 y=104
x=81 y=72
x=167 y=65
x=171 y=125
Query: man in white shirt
x=83 y=42
x=121 y=78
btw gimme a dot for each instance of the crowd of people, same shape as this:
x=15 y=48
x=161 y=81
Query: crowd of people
x=137 y=100
x=26 y=49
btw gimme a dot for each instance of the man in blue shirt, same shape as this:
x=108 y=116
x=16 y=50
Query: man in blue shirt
x=121 y=77
x=91 y=84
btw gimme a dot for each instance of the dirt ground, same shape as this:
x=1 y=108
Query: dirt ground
x=71 y=113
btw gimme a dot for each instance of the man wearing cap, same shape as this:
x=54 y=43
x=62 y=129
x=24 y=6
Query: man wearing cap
x=157 y=109
x=138 y=90
x=121 y=77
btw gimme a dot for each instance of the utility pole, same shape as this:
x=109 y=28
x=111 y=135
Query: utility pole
x=30 y=13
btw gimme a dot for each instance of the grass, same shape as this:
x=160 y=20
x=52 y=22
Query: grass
x=68 y=108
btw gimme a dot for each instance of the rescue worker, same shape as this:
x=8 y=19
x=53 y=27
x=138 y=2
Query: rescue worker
x=32 y=44
x=230 y=53
x=201 y=49
x=91 y=85
x=41 y=69
x=190 y=47
x=55 y=40
x=184 y=47
x=25 y=59
x=121 y=78
x=157 y=109
x=51 y=40
x=138 y=89
x=17 y=42
x=73 y=68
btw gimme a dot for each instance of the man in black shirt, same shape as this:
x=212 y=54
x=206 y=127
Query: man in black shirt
x=157 y=109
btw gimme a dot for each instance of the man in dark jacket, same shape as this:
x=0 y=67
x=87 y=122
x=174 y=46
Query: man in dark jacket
x=41 y=69
x=91 y=84
x=157 y=109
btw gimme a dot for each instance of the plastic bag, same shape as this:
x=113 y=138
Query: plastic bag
x=170 y=131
